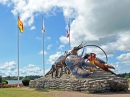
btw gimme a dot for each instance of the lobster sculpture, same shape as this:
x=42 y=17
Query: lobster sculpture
x=77 y=65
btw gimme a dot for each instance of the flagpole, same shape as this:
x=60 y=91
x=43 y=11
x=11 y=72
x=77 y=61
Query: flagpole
x=43 y=47
x=20 y=29
x=43 y=55
x=18 y=58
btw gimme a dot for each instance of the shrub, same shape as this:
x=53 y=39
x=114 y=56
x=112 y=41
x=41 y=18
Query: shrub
x=25 y=81
x=10 y=85
x=4 y=81
x=0 y=79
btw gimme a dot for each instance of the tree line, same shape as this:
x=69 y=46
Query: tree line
x=124 y=75
x=31 y=77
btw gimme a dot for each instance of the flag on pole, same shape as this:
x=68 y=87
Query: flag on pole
x=43 y=32
x=68 y=34
x=20 y=25
x=43 y=28
x=68 y=30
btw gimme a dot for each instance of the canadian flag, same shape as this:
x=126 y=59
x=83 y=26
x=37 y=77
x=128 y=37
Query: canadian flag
x=68 y=34
x=43 y=27
x=68 y=30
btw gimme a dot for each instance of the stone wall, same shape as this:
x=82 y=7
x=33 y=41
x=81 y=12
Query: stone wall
x=99 y=81
x=129 y=82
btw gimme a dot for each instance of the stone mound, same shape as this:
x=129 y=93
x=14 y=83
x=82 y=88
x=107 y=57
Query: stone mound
x=99 y=81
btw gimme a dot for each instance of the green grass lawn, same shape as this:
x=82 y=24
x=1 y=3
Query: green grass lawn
x=22 y=92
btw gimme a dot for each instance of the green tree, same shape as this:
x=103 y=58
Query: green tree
x=127 y=76
x=25 y=81
x=0 y=79
x=4 y=81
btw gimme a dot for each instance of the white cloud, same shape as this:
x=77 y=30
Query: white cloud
x=97 y=23
x=41 y=52
x=32 y=8
x=119 y=43
x=32 y=28
x=122 y=41
x=64 y=40
x=31 y=69
x=5 y=2
x=61 y=46
x=38 y=38
x=49 y=38
x=124 y=59
x=49 y=46
x=93 y=21
x=10 y=69
x=8 y=65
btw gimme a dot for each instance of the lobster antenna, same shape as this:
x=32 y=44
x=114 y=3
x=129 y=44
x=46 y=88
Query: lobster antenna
x=82 y=52
x=85 y=44
x=80 y=44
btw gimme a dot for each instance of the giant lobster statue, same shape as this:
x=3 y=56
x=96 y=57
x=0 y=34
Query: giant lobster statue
x=78 y=65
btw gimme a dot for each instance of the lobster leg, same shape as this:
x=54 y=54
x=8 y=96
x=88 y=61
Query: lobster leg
x=109 y=66
x=56 y=75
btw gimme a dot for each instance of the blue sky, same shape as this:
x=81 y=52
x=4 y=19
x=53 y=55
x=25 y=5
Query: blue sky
x=103 y=23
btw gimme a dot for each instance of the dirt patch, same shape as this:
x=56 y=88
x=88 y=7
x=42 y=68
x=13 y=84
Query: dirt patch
x=26 y=88
x=33 y=89
x=55 y=93
x=82 y=94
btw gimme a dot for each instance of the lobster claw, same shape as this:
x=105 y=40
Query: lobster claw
x=75 y=64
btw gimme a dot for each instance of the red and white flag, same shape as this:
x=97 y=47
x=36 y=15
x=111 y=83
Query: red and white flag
x=68 y=30
x=43 y=27
x=68 y=34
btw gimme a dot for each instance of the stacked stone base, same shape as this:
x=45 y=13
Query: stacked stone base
x=105 y=82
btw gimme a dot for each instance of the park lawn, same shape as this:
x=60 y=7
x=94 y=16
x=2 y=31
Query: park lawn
x=22 y=92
